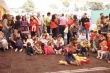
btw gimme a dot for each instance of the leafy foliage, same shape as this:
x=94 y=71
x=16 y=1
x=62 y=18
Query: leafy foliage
x=107 y=6
x=95 y=5
x=28 y=6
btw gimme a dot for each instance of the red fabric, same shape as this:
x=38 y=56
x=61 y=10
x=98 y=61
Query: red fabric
x=32 y=22
x=70 y=22
x=87 y=25
x=108 y=44
x=48 y=50
x=54 y=24
x=92 y=35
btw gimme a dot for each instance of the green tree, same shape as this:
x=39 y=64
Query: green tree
x=107 y=6
x=95 y=5
x=53 y=6
x=28 y=6
x=66 y=3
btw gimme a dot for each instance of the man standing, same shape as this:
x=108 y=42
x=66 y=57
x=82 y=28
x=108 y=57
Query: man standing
x=84 y=22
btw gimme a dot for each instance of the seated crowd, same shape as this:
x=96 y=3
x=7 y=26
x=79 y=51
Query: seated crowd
x=50 y=43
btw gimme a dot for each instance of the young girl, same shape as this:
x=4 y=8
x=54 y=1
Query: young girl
x=82 y=36
x=19 y=44
x=96 y=42
x=104 y=49
x=84 y=47
x=48 y=48
x=28 y=39
x=38 y=48
x=59 y=43
x=13 y=39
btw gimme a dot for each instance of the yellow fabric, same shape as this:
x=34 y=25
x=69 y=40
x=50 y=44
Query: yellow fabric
x=47 y=21
x=79 y=58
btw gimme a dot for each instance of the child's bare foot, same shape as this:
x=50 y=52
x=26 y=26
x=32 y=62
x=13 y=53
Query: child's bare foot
x=109 y=62
x=20 y=50
x=16 y=50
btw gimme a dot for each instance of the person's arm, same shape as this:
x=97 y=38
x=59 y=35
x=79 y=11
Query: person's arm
x=5 y=23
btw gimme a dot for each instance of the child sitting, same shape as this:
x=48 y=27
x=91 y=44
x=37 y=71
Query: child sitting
x=48 y=49
x=13 y=39
x=104 y=49
x=27 y=40
x=38 y=48
x=92 y=35
x=59 y=43
x=96 y=42
x=3 y=41
x=84 y=47
x=19 y=44
x=29 y=49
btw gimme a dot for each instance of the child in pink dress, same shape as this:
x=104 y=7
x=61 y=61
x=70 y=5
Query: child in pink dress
x=48 y=48
x=104 y=49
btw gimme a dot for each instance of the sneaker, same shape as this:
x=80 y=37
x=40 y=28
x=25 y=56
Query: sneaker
x=98 y=57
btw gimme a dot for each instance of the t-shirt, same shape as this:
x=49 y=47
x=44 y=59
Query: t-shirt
x=84 y=20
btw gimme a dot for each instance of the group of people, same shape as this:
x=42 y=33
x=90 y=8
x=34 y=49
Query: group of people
x=55 y=34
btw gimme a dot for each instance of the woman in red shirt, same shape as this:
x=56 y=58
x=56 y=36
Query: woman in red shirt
x=33 y=25
x=54 y=25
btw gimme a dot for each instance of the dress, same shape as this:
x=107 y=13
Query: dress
x=48 y=50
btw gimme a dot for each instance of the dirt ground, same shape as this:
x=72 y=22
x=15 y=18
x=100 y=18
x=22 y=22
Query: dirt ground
x=11 y=62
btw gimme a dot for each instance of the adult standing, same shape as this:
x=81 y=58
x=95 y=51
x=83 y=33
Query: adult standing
x=5 y=28
x=99 y=22
x=54 y=25
x=24 y=25
x=40 y=23
x=47 y=20
x=85 y=21
x=17 y=23
x=104 y=25
x=33 y=26
x=62 y=25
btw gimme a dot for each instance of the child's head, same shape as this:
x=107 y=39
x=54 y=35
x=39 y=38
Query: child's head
x=28 y=44
x=83 y=32
x=1 y=34
x=59 y=36
x=44 y=36
x=108 y=35
x=50 y=35
x=49 y=43
x=74 y=41
x=15 y=31
x=92 y=31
